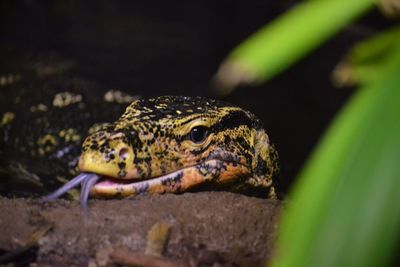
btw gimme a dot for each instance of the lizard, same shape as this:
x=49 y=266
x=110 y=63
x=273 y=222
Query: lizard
x=170 y=144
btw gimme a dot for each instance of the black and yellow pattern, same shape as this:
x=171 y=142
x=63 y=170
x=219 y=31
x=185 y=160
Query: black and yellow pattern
x=173 y=143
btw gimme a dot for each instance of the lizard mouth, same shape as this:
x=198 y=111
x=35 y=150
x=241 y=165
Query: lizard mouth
x=177 y=181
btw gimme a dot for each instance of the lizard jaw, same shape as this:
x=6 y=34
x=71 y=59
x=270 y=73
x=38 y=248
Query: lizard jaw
x=175 y=182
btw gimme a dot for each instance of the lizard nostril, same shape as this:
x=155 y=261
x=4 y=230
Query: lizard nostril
x=124 y=153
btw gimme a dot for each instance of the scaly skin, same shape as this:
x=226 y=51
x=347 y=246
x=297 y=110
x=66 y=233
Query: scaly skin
x=150 y=148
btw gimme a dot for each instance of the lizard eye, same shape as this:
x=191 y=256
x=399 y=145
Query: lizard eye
x=198 y=134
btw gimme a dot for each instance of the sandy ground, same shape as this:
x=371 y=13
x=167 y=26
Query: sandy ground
x=206 y=228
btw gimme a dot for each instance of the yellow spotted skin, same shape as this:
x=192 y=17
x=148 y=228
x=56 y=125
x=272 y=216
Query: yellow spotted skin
x=154 y=138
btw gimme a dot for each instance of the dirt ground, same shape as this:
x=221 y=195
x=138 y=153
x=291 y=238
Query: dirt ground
x=205 y=229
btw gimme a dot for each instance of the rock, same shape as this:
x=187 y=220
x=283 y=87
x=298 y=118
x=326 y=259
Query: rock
x=233 y=228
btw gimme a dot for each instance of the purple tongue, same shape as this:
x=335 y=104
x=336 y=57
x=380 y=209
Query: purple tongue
x=86 y=186
x=87 y=180
x=68 y=186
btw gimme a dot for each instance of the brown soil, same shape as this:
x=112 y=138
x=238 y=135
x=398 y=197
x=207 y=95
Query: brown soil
x=205 y=228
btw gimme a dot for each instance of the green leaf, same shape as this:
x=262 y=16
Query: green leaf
x=287 y=39
x=344 y=210
x=367 y=59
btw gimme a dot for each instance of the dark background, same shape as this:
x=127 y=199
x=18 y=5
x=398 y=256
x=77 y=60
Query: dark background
x=152 y=48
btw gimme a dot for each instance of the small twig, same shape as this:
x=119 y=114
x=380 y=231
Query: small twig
x=156 y=239
x=126 y=257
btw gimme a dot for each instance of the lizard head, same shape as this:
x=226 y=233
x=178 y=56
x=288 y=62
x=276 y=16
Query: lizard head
x=172 y=143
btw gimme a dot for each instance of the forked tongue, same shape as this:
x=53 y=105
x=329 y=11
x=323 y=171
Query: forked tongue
x=87 y=180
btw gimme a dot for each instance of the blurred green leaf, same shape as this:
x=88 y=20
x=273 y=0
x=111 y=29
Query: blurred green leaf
x=344 y=210
x=367 y=59
x=287 y=39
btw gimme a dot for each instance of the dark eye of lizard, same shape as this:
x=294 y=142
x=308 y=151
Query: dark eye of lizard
x=198 y=134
